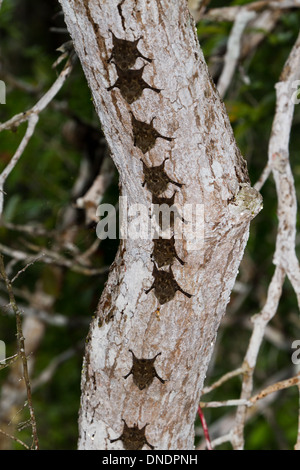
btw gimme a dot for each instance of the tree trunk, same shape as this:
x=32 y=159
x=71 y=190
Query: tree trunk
x=131 y=323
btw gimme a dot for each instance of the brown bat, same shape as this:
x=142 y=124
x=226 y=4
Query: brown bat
x=156 y=179
x=143 y=371
x=144 y=135
x=125 y=52
x=133 y=438
x=131 y=84
x=165 y=285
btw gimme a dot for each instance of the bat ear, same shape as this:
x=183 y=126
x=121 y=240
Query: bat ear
x=113 y=35
x=172 y=198
x=158 y=354
x=133 y=355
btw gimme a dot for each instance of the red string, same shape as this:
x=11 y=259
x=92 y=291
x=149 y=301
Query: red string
x=205 y=429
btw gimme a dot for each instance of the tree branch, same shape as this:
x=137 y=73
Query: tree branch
x=21 y=351
x=13 y=438
x=230 y=13
x=32 y=117
x=285 y=257
x=51 y=257
x=243 y=17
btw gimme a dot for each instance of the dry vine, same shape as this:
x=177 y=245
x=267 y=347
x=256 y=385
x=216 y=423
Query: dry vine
x=285 y=260
x=21 y=351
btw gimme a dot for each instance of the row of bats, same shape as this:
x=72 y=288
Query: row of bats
x=131 y=86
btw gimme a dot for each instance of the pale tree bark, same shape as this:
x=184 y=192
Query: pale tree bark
x=204 y=158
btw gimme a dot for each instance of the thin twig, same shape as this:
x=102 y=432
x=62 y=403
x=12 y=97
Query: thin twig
x=47 y=374
x=25 y=267
x=223 y=379
x=265 y=392
x=221 y=440
x=223 y=403
x=50 y=257
x=263 y=177
x=230 y=13
x=42 y=103
x=233 y=49
x=8 y=361
x=260 y=321
x=223 y=427
x=32 y=122
x=32 y=117
x=35 y=230
x=5 y=433
x=21 y=351
x=54 y=319
x=20 y=84
x=276 y=387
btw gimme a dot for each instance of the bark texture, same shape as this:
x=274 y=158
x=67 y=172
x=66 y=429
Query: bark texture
x=204 y=158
